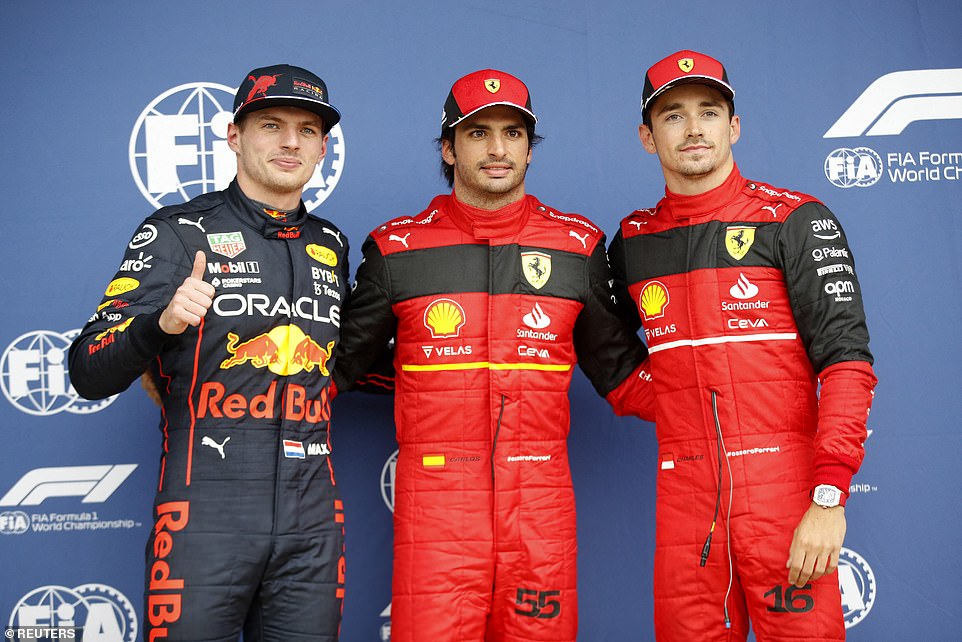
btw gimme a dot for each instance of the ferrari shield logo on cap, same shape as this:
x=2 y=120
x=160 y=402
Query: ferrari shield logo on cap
x=738 y=240
x=686 y=64
x=492 y=85
x=536 y=267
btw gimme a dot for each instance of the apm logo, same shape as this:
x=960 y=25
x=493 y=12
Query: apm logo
x=178 y=148
x=896 y=100
x=33 y=375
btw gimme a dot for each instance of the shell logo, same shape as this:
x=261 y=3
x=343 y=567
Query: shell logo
x=653 y=300
x=322 y=254
x=121 y=285
x=444 y=318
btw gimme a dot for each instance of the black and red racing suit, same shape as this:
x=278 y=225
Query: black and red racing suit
x=248 y=525
x=748 y=297
x=490 y=312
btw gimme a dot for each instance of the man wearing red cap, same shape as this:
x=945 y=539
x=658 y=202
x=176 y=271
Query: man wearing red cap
x=221 y=299
x=491 y=298
x=749 y=299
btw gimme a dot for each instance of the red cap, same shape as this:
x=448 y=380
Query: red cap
x=684 y=67
x=485 y=88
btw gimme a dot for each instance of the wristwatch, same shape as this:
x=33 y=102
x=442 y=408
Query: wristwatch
x=826 y=496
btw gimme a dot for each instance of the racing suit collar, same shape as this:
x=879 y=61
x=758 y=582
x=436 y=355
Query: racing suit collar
x=487 y=224
x=682 y=206
x=256 y=217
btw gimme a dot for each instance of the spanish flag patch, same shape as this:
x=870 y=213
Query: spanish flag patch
x=432 y=461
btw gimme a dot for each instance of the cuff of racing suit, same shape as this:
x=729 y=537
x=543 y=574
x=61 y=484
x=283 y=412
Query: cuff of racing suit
x=844 y=404
x=146 y=336
x=635 y=395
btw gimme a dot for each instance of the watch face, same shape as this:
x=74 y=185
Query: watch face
x=827 y=496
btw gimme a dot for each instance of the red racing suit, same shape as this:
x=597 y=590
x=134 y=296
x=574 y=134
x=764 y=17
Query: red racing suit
x=490 y=312
x=748 y=296
x=248 y=527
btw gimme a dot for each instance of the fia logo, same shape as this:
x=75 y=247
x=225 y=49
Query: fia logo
x=62 y=610
x=178 y=148
x=857 y=584
x=33 y=375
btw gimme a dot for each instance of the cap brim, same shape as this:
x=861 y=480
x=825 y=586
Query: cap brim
x=527 y=113
x=725 y=89
x=328 y=113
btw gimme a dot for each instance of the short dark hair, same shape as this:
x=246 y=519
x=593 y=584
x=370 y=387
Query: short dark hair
x=447 y=171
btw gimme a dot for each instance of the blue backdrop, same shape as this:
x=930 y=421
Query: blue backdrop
x=111 y=108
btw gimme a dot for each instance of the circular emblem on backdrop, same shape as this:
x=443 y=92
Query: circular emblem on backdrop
x=178 y=148
x=95 y=607
x=33 y=375
x=388 y=473
x=858 y=167
x=857 y=584
x=14 y=522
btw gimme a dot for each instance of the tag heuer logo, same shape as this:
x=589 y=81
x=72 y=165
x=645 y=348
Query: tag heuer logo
x=536 y=267
x=229 y=244
x=738 y=240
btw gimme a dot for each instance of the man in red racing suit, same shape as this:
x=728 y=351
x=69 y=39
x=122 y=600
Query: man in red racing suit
x=491 y=297
x=748 y=297
x=232 y=300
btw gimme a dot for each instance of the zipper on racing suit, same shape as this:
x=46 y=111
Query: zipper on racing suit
x=722 y=454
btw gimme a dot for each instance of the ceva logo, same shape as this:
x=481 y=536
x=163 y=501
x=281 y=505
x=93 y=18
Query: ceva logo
x=178 y=148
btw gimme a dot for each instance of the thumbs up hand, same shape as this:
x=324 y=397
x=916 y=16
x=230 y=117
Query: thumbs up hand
x=190 y=302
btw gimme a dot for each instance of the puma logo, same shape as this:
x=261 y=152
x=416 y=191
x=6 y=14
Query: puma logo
x=583 y=239
x=402 y=240
x=207 y=441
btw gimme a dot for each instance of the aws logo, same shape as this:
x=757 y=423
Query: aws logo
x=444 y=318
x=653 y=300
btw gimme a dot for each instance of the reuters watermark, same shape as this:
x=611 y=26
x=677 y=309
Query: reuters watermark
x=43 y=633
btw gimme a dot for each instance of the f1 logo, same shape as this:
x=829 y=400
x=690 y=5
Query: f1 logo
x=94 y=483
x=896 y=100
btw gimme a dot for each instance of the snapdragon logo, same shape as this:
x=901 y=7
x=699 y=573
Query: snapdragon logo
x=178 y=148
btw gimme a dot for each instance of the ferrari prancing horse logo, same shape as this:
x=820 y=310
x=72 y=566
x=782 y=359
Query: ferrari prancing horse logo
x=738 y=240
x=686 y=64
x=536 y=267
x=492 y=85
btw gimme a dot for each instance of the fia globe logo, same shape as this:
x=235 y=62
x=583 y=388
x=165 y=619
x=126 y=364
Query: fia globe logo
x=178 y=148
x=96 y=610
x=857 y=583
x=388 y=477
x=33 y=375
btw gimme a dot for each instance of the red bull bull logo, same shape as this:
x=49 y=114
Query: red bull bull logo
x=284 y=350
x=261 y=85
